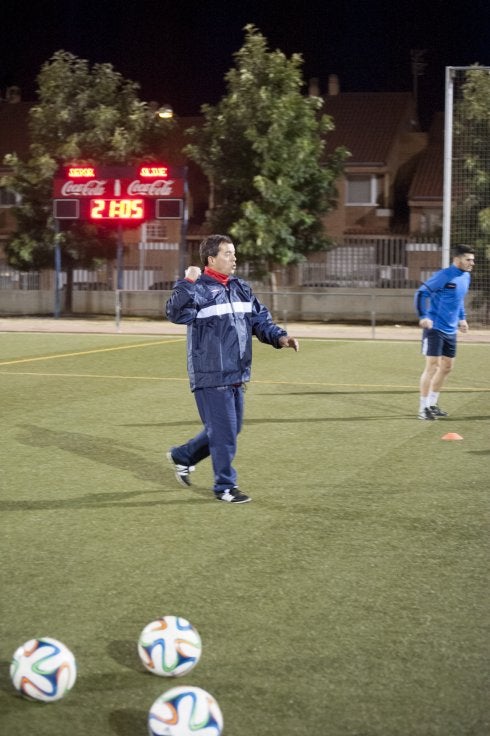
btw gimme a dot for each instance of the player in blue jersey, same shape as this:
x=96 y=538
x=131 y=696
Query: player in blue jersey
x=440 y=306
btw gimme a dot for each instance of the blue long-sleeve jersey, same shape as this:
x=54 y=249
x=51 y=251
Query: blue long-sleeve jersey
x=441 y=298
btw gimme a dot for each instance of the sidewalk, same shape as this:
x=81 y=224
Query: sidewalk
x=128 y=326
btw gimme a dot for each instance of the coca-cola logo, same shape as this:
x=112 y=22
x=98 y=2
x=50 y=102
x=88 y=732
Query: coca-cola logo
x=92 y=188
x=157 y=188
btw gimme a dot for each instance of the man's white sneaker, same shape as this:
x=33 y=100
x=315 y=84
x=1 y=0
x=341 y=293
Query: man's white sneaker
x=182 y=472
x=233 y=495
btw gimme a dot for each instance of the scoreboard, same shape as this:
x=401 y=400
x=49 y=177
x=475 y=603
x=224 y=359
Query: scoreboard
x=125 y=195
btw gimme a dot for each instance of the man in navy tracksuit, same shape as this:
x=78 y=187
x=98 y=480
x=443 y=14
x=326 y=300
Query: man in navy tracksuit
x=440 y=306
x=221 y=314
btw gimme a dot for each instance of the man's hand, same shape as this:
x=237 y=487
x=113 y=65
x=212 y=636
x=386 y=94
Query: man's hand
x=426 y=323
x=463 y=325
x=289 y=342
x=192 y=273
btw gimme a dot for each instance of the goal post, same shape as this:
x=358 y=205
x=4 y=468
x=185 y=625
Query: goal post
x=448 y=169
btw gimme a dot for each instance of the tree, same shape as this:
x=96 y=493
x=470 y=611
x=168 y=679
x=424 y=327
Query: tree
x=471 y=216
x=83 y=114
x=262 y=149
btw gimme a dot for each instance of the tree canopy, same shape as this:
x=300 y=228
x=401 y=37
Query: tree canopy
x=84 y=113
x=262 y=148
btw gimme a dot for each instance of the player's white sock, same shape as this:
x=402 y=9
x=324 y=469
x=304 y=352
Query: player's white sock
x=424 y=403
x=433 y=398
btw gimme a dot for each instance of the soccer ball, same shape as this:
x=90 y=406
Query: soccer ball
x=169 y=646
x=185 y=711
x=43 y=669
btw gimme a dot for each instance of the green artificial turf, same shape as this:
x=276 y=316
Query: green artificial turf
x=349 y=599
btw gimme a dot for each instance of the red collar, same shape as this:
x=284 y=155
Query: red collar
x=221 y=277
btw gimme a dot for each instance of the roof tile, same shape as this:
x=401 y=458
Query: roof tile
x=366 y=123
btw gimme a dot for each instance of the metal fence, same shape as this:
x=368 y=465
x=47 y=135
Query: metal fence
x=374 y=261
x=345 y=285
x=10 y=278
x=104 y=279
x=367 y=262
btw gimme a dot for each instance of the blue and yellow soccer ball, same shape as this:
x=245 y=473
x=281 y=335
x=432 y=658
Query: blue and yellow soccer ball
x=169 y=646
x=43 y=669
x=185 y=711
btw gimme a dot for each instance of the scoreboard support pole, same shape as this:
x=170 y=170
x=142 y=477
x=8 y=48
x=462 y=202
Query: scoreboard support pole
x=183 y=231
x=118 y=310
x=119 y=276
x=119 y=257
x=57 y=271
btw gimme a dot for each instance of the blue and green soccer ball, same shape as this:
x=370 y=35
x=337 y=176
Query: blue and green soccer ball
x=169 y=646
x=43 y=669
x=185 y=711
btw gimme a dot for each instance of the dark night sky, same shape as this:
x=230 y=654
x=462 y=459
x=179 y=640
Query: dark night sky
x=180 y=50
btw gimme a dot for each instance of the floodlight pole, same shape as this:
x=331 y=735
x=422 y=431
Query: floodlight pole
x=448 y=154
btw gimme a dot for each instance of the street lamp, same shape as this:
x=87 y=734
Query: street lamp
x=165 y=112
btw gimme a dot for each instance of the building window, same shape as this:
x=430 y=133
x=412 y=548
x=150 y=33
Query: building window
x=430 y=222
x=363 y=190
x=435 y=221
x=7 y=197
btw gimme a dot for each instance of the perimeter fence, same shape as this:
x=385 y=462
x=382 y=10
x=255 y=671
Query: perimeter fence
x=370 y=279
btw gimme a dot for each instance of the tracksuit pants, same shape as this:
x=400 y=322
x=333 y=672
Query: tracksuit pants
x=221 y=412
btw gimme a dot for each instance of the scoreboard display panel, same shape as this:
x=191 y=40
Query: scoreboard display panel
x=127 y=195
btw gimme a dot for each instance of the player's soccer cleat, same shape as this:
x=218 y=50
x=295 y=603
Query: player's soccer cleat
x=437 y=412
x=233 y=495
x=427 y=414
x=182 y=472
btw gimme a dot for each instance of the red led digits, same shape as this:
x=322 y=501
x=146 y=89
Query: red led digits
x=117 y=209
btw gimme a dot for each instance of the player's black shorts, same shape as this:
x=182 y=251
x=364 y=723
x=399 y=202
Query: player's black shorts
x=436 y=343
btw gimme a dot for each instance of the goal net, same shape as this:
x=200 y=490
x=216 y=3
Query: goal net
x=466 y=212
